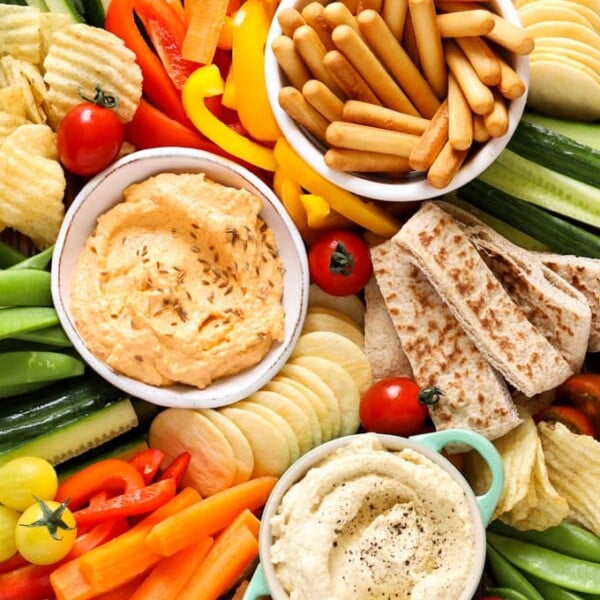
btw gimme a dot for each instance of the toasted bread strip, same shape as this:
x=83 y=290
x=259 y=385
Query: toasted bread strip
x=497 y=326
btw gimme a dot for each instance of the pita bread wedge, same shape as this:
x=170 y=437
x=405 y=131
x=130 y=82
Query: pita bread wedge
x=497 y=326
x=582 y=273
x=441 y=354
x=557 y=309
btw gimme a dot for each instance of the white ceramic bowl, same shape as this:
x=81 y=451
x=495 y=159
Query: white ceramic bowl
x=411 y=188
x=104 y=191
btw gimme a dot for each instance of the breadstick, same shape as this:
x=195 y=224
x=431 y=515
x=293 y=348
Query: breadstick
x=376 y=5
x=289 y=61
x=482 y=59
x=480 y=133
x=511 y=85
x=371 y=139
x=355 y=111
x=289 y=20
x=321 y=98
x=294 y=104
x=394 y=14
x=466 y=23
x=432 y=141
x=343 y=159
x=496 y=122
x=311 y=50
x=313 y=15
x=409 y=42
x=366 y=63
x=396 y=60
x=337 y=13
x=429 y=44
x=510 y=36
x=347 y=77
x=352 y=5
x=445 y=166
x=460 y=120
x=447 y=6
x=478 y=95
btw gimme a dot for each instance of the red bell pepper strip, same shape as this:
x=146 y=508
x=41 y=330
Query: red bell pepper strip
x=12 y=563
x=147 y=462
x=129 y=504
x=111 y=474
x=176 y=468
x=166 y=31
x=157 y=85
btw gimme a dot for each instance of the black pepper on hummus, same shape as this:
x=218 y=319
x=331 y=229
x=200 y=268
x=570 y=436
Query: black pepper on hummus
x=180 y=282
x=369 y=523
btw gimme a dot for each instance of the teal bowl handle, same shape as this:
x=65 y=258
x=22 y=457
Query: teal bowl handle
x=439 y=439
x=257 y=586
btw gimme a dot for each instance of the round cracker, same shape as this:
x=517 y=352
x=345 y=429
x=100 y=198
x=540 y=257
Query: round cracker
x=538 y=12
x=244 y=459
x=317 y=320
x=567 y=29
x=269 y=446
x=352 y=306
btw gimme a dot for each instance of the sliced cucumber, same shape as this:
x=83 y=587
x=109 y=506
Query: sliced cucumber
x=94 y=12
x=585 y=133
x=66 y=7
x=73 y=440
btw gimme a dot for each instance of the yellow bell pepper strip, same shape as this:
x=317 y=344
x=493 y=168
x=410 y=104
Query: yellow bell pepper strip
x=229 y=99
x=251 y=27
x=288 y=191
x=320 y=216
x=206 y=82
x=362 y=212
x=226 y=36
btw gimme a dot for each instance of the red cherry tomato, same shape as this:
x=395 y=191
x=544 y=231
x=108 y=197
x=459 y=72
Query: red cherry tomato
x=340 y=263
x=89 y=138
x=573 y=418
x=392 y=405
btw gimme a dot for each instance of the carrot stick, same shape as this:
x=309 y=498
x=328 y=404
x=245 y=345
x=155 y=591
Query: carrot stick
x=223 y=565
x=203 y=31
x=171 y=574
x=247 y=518
x=69 y=583
x=123 y=592
x=209 y=516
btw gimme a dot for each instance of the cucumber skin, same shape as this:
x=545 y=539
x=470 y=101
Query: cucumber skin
x=584 y=133
x=556 y=151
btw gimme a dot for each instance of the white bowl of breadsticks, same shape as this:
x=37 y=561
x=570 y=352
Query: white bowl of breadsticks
x=397 y=100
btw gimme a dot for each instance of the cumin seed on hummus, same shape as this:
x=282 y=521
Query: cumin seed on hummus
x=180 y=282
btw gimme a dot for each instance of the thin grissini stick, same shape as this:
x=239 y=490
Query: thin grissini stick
x=344 y=159
x=478 y=95
x=348 y=78
x=429 y=44
x=482 y=59
x=448 y=6
x=445 y=166
x=432 y=141
x=289 y=61
x=311 y=50
x=496 y=122
x=373 y=72
x=509 y=36
x=480 y=133
x=355 y=111
x=352 y=5
x=371 y=139
x=466 y=23
x=511 y=85
x=394 y=14
x=295 y=105
x=393 y=56
x=409 y=42
x=322 y=99
x=370 y=4
x=289 y=20
x=460 y=119
x=337 y=13
x=313 y=15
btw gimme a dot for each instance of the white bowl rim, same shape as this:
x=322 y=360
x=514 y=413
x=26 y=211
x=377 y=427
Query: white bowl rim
x=224 y=391
x=403 y=191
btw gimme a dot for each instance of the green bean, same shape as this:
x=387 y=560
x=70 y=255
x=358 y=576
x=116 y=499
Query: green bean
x=565 y=538
x=23 y=367
x=9 y=256
x=563 y=570
x=21 y=319
x=507 y=576
x=8 y=391
x=551 y=591
x=27 y=287
x=507 y=593
x=50 y=336
x=38 y=261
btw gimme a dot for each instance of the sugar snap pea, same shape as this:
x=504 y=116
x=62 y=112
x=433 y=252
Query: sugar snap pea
x=562 y=570
x=565 y=538
x=9 y=256
x=507 y=576
x=51 y=336
x=553 y=592
x=25 y=287
x=37 y=261
x=22 y=367
x=507 y=593
x=15 y=320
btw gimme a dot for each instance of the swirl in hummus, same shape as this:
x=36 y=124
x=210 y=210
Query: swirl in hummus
x=371 y=523
x=180 y=282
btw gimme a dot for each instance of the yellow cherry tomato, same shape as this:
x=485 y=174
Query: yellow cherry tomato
x=24 y=478
x=8 y=522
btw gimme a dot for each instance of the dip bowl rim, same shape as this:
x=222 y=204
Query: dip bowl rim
x=414 y=187
x=300 y=468
x=103 y=191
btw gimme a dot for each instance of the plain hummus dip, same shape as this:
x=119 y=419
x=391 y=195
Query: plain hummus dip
x=370 y=523
x=180 y=282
